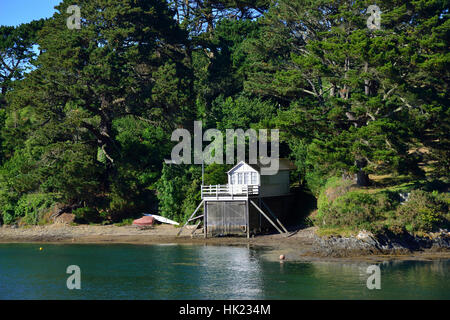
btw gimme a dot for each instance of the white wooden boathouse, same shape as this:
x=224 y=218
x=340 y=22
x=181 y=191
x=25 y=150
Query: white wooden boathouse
x=243 y=205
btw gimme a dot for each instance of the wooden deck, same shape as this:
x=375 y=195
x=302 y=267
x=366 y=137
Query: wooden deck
x=229 y=192
x=226 y=211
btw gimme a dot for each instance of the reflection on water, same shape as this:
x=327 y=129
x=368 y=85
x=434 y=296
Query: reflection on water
x=204 y=272
x=230 y=272
x=331 y=280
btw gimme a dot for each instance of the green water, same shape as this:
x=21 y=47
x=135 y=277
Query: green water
x=204 y=272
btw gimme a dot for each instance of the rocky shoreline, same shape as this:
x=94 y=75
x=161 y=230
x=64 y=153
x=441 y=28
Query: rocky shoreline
x=367 y=244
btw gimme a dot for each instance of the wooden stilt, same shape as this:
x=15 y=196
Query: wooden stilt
x=205 y=219
x=260 y=216
x=273 y=215
x=195 y=218
x=195 y=228
x=195 y=211
x=247 y=218
x=265 y=216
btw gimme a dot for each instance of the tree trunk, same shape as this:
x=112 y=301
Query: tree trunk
x=362 y=178
x=366 y=81
x=106 y=140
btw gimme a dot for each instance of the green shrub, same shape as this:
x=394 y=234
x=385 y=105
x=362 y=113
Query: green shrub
x=125 y=222
x=8 y=214
x=178 y=191
x=342 y=206
x=87 y=215
x=334 y=187
x=424 y=211
x=32 y=207
x=356 y=210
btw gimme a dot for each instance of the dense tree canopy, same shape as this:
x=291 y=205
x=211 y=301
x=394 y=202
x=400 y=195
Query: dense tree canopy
x=86 y=114
x=354 y=98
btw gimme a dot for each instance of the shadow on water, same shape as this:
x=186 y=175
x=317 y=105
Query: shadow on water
x=203 y=272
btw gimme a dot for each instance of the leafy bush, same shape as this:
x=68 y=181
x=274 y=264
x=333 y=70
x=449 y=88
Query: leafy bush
x=216 y=174
x=342 y=206
x=125 y=222
x=178 y=191
x=8 y=215
x=334 y=187
x=356 y=210
x=339 y=206
x=86 y=215
x=424 y=211
x=31 y=207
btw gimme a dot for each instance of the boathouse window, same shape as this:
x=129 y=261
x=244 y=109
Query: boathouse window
x=246 y=179
x=247 y=176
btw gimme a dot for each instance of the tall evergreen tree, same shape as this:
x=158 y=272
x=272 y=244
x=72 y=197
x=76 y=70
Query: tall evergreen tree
x=347 y=90
x=16 y=53
x=126 y=60
x=16 y=56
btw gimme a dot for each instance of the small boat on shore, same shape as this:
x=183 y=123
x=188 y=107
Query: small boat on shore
x=161 y=219
x=145 y=221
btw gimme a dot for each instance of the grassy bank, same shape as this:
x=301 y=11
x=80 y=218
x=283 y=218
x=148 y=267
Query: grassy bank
x=391 y=204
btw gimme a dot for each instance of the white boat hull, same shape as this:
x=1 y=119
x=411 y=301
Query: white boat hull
x=162 y=219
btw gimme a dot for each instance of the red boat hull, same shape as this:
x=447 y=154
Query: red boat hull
x=144 y=221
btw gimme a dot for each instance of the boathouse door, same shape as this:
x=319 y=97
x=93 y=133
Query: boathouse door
x=226 y=218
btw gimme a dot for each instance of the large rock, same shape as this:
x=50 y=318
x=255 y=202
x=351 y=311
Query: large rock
x=367 y=244
x=364 y=235
x=65 y=218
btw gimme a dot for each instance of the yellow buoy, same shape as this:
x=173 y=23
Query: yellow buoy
x=40 y=249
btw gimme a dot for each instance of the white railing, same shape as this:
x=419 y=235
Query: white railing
x=229 y=191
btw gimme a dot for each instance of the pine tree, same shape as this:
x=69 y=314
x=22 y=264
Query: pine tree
x=348 y=92
x=126 y=60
